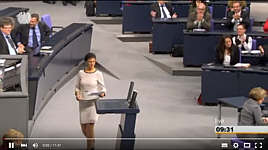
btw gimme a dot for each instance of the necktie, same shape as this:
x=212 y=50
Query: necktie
x=164 y=14
x=35 y=42
x=11 y=42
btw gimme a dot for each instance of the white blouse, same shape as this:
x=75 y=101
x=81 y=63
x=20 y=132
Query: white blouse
x=90 y=82
x=227 y=60
x=247 y=46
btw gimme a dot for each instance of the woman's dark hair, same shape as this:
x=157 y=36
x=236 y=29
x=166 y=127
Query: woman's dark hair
x=221 y=45
x=89 y=55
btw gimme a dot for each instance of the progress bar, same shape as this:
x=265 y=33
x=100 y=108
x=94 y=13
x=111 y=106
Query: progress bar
x=215 y=138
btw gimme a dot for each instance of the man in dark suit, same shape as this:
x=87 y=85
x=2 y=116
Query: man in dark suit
x=7 y=45
x=237 y=16
x=32 y=35
x=161 y=9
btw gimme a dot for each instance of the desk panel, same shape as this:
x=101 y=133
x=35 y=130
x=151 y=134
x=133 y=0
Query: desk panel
x=46 y=71
x=199 y=49
x=166 y=34
x=249 y=80
x=137 y=18
x=218 y=84
x=111 y=7
x=12 y=11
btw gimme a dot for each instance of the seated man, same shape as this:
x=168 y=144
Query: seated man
x=7 y=45
x=243 y=41
x=32 y=35
x=236 y=16
x=199 y=19
x=161 y=9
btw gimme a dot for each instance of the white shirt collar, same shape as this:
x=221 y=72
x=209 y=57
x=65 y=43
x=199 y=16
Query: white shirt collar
x=244 y=35
x=5 y=34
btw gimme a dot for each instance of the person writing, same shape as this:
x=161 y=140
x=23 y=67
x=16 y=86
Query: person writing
x=89 y=86
x=227 y=53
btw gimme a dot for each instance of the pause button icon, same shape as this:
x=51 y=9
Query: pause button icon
x=11 y=145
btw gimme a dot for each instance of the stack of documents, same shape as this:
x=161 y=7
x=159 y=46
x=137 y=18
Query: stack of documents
x=242 y=65
x=46 y=50
x=253 y=52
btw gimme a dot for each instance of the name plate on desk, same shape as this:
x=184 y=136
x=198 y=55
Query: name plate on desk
x=242 y=65
x=46 y=50
x=199 y=30
x=252 y=52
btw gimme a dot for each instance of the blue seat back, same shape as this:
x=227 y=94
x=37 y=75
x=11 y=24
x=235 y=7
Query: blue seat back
x=47 y=19
x=254 y=45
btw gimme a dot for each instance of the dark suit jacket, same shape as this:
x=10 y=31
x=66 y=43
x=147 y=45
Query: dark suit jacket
x=244 y=16
x=155 y=7
x=235 y=56
x=3 y=45
x=22 y=33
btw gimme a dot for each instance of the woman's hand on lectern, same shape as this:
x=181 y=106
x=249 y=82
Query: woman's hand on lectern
x=102 y=94
x=78 y=96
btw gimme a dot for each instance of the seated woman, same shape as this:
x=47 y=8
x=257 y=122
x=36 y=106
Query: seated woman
x=226 y=52
x=251 y=114
x=243 y=41
x=12 y=133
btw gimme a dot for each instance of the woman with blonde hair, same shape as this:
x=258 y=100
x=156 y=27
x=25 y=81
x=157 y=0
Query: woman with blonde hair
x=251 y=114
x=12 y=136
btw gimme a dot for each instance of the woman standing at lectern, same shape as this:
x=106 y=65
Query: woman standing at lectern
x=89 y=87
